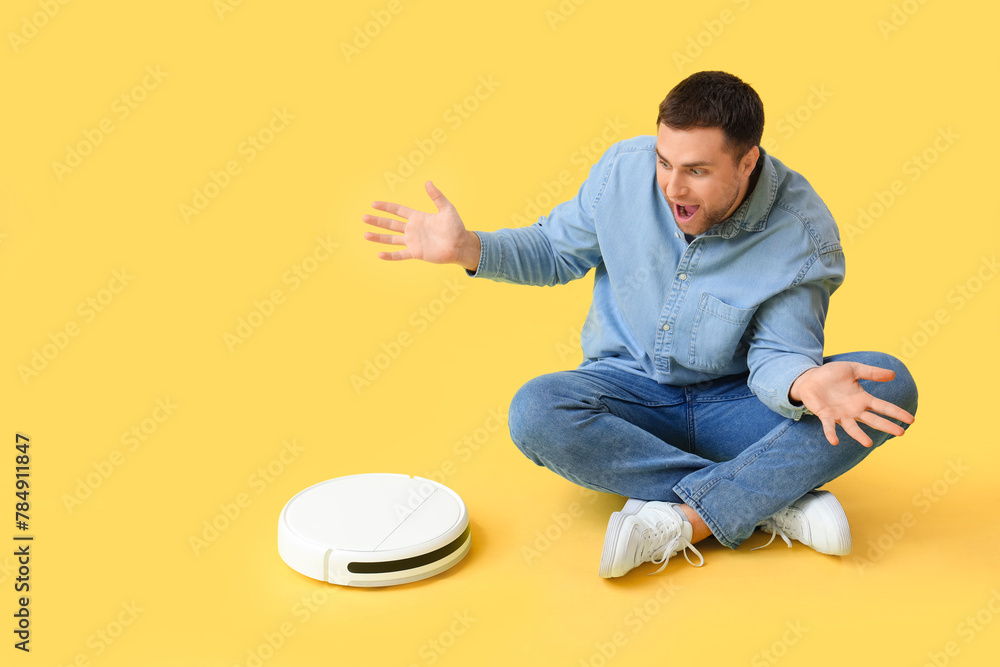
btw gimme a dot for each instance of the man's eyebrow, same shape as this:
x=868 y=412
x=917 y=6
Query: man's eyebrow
x=701 y=163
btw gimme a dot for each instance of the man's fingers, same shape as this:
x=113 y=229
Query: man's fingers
x=395 y=209
x=394 y=256
x=881 y=424
x=385 y=223
x=852 y=429
x=890 y=410
x=866 y=372
x=436 y=196
x=830 y=430
x=392 y=239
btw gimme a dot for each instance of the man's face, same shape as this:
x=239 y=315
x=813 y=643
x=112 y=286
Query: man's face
x=698 y=176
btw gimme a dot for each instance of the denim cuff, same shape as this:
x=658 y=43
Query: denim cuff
x=782 y=404
x=490 y=256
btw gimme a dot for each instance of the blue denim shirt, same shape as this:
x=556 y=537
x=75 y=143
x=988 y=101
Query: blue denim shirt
x=749 y=295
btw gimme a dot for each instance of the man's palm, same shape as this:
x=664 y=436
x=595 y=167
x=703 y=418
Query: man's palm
x=832 y=393
x=432 y=237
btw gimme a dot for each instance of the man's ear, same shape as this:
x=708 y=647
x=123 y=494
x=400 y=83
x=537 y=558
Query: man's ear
x=749 y=161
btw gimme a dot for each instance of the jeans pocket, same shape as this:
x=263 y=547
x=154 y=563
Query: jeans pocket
x=717 y=333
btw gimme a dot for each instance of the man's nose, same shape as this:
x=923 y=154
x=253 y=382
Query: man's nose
x=675 y=188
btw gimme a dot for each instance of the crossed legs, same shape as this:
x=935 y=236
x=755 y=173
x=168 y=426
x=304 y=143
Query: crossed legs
x=715 y=447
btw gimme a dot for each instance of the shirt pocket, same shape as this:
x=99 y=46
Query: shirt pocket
x=717 y=333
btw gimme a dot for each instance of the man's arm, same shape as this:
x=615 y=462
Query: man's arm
x=560 y=247
x=788 y=340
x=786 y=361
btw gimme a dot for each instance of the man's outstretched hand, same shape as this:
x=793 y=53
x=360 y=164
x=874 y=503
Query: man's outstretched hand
x=439 y=238
x=832 y=393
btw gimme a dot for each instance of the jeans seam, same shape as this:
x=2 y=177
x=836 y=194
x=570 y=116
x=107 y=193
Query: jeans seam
x=724 y=398
x=760 y=452
x=689 y=409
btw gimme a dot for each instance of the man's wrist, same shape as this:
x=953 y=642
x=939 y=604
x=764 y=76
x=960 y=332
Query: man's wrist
x=470 y=252
x=794 y=395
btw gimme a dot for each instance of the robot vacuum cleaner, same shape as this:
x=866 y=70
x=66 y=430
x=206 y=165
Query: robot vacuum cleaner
x=375 y=529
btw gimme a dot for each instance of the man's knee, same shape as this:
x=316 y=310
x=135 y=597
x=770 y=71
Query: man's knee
x=530 y=410
x=544 y=414
x=901 y=390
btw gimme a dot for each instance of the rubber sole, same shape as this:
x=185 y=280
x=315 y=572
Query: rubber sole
x=632 y=506
x=836 y=539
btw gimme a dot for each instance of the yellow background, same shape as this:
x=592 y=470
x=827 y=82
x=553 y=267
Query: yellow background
x=923 y=510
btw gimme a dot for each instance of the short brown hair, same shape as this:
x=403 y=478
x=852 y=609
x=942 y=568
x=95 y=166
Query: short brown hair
x=716 y=99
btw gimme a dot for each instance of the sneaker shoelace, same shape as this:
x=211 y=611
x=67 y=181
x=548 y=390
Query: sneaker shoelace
x=652 y=539
x=773 y=522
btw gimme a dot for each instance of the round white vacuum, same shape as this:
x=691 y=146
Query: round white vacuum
x=376 y=529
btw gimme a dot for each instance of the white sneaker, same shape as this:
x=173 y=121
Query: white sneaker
x=645 y=531
x=816 y=520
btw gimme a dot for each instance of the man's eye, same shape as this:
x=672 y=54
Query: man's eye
x=697 y=172
x=665 y=165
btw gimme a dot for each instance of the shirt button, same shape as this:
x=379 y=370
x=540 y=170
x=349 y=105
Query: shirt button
x=677 y=235
x=683 y=276
x=666 y=327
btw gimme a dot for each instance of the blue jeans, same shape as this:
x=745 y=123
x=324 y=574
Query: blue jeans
x=714 y=445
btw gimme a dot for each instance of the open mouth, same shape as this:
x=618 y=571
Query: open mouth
x=685 y=213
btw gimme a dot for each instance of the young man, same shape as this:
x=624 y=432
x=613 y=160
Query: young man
x=704 y=396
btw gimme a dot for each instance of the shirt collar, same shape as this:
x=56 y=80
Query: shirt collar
x=751 y=215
